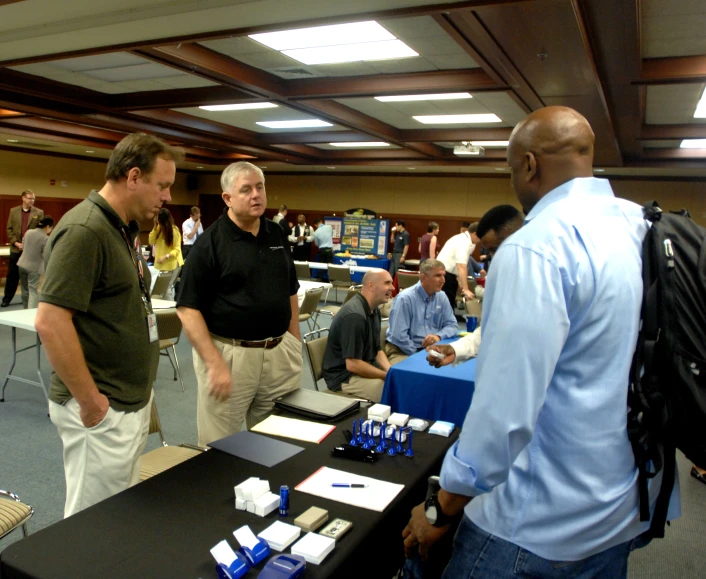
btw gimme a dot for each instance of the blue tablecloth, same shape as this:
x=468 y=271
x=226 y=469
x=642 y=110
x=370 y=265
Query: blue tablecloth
x=357 y=277
x=414 y=387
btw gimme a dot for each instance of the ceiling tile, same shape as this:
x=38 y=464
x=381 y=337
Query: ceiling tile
x=98 y=61
x=673 y=104
x=673 y=28
x=144 y=71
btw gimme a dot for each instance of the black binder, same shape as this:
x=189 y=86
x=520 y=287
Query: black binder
x=317 y=405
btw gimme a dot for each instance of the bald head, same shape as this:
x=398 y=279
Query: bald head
x=377 y=287
x=548 y=148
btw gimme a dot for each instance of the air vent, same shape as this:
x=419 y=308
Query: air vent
x=292 y=72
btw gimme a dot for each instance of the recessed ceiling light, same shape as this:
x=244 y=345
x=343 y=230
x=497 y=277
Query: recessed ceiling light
x=331 y=168
x=199 y=166
x=599 y=170
x=490 y=143
x=693 y=144
x=263 y=166
x=90 y=151
x=331 y=35
x=411 y=168
x=501 y=168
x=303 y=124
x=700 y=112
x=13 y=141
x=239 y=107
x=363 y=144
x=424 y=97
x=337 y=43
x=457 y=119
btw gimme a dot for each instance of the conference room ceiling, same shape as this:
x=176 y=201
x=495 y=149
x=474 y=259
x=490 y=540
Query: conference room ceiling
x=77 y=75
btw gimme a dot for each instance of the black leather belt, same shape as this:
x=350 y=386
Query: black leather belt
x=267 y=344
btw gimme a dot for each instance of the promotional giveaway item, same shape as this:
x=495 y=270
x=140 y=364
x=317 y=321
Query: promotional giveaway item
x=253 y=549
x=313 y=547
x=442 y=428
x=284 y=567
x=311 y=519
x=229 y=564
x=336 y=529
x=280 y=535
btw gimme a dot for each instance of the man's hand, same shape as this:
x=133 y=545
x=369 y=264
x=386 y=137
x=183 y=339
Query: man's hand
x=18 y=245
x=430 y=340
x=93 y=413
x=420 y=534
x=401 y=258
x=219 y=381
x=448 y=352
x=468 y=294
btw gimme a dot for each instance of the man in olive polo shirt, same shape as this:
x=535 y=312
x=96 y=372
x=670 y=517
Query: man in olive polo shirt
x=354 y=362
x=95 y=321
x=238 y=303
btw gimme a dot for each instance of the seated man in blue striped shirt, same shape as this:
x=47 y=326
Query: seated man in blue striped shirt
x=421 y=315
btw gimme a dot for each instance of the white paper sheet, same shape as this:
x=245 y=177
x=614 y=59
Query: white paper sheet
x=245 y=537
x=375 y=497
x=293 y=428
x=223 y=553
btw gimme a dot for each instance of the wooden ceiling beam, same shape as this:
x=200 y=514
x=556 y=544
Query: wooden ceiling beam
x=31 y=85
x=681 y=154
x=469 y=134
x=471 y=80
x=673 y=132
x=313 y=137
x=176 y=98
x=66 y=129
x=678 y=69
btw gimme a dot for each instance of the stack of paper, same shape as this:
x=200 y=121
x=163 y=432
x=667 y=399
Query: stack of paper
x=313 y=547
x=293 y=428
x=280 y=535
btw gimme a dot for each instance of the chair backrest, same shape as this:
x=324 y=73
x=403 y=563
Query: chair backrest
x=354 y=289
x=311 y=301
x=339 y=273
x=162 y=284
x=168 y=324
x=155 y=424
x=303 y=271
x=406 y=279
x=474 y=308
x=316 y=348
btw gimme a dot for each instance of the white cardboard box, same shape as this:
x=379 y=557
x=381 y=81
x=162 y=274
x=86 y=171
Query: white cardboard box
x=313 y=547
x=266 y=503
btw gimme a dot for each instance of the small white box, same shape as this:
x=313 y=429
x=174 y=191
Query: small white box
x=265 y=504
x=280 y=535
x=313 y=547
x=240 y=489
x=256 y=489
x=398 y=419
x=379 y=412
x=240 y=505
x=250 y=506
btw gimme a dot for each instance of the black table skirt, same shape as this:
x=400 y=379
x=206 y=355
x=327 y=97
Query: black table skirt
x=165 y=526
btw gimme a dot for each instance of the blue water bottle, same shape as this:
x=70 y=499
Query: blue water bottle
x=283 y=501
x=471 y=323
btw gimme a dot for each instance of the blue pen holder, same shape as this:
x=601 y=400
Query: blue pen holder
x=257 y=554
x=237 y=569
x=284 y=566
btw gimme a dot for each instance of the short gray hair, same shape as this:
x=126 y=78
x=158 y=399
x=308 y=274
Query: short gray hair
x=429 y=264
x=234 y=170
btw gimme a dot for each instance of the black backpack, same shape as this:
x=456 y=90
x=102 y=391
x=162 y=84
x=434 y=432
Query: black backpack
x=667 y=403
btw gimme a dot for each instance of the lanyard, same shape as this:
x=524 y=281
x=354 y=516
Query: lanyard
x=140 y=273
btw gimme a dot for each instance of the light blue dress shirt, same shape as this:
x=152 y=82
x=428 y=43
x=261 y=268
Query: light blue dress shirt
x=544 y=447
x=415 y=315
x=323 y=236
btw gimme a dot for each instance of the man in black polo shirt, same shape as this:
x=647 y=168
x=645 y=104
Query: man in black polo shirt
x=354 y=361
x=399 y=237
x=238 y=304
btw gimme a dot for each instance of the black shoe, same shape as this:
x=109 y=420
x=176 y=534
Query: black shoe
x=697 y=475
x=4 y=304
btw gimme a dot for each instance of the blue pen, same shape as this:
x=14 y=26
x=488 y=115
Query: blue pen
x=349 y=485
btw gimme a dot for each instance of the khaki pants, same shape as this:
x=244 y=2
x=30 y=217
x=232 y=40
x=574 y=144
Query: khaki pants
x=100 y=461
x=258 y=377
x=368 y=388
x=394 y=354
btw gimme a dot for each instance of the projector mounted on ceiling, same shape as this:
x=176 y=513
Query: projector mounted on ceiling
x=468 y=149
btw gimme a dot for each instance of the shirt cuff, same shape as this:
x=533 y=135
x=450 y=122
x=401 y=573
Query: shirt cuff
x=457 y=477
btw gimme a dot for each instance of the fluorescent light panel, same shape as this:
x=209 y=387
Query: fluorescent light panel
x=700 y=112
x=693 y=144
x=363 y=144
x=457 y=119
x=490 y=143
x=476 y=153
x=317 y=36
x=239 y=107
x=301 y=124
x=424 y=97
x=384 y=50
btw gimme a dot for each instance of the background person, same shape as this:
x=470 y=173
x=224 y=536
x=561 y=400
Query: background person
x=192 y=229
x=31 y=262
x=301 y=238
x=428 y=244
x=454 y=255
x=93 y=319
x=399 y=237
x=21 y=219
x=166 y=238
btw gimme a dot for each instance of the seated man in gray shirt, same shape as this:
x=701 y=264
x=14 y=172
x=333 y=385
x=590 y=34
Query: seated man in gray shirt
x=354 y=361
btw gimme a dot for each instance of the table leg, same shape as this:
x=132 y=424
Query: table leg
x=12 y=363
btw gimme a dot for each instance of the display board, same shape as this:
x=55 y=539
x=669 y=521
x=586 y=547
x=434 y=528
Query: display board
x=359 y=235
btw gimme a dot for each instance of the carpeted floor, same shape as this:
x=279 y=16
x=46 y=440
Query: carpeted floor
x=31 y=463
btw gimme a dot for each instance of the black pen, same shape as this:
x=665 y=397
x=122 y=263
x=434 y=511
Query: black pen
x=349 y=485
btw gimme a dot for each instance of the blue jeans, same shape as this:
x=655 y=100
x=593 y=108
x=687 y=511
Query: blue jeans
x=479 y=555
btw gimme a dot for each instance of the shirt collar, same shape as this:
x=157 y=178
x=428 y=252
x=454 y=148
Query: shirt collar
x=239 y=233
x=366 y=305
x=578 y=186
x=422 y=293
x=132 y=228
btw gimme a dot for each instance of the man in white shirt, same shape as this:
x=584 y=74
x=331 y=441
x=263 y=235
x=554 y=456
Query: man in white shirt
x=191 y=229
x=496 y=226
x=281 y=215
x=301 y=237
x=454 y=255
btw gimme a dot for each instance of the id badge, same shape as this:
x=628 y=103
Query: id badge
x=152 y=327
